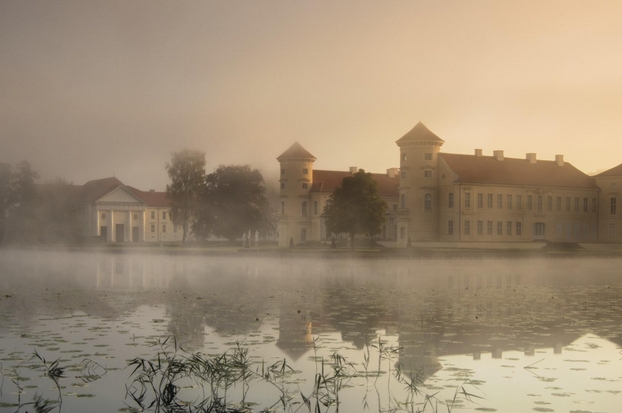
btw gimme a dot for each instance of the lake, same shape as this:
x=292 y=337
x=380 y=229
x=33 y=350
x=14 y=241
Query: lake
x=433 y=334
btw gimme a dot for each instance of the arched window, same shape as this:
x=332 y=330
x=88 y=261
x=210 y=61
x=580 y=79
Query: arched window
x=304 y=208
x=403 y=201
x=283 y=207
x=427 y=202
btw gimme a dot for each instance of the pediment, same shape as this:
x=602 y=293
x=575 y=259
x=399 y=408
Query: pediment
x=120 y=195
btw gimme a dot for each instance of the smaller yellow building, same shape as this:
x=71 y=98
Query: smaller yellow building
x=116 y=212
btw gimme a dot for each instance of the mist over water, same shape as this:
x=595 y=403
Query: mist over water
x=525 y=334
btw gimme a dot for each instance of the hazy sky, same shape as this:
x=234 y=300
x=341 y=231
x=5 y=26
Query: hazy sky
x=89 y=89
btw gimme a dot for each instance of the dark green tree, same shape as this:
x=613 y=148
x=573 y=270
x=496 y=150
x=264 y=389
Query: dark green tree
x=59 y=212
x=22 y=214
x=187 y=173
x=233 y=203
x=5 y=198
x=355 y=207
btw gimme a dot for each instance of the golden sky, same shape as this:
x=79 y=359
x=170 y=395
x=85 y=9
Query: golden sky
x=92 y=88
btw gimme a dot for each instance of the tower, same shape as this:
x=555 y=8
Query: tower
x=418 y=202
x=296 y=178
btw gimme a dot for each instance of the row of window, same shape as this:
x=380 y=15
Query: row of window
x=305 y=171
x=153 y=228
x=153 y=215
x=426 y=156
x=509 y=226
x=303 y=208
x=304 y=185
x=539 y=202
x=426 y=174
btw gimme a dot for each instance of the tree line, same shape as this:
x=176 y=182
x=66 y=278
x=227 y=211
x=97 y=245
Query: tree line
x=31 y=213
x=227 y=203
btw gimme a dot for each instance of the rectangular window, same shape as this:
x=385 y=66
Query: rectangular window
x=402 y=231
x=282 y=171
x=303 y=235
x=467 y=200
x=282 y=185
x=499 y=201
x=480 y=200
x=508 y=229
x=394 y=207
x=305 y=185
x=152 y=214
x=427 y=156
x=163 y=227
x=559 y=203
x=612 y=230
x=315 y=207
x=404 y=157
x=480 y=227
x=519 y=228
x=594 y=204
x=427 y=174
x=152 y=228
x=305 y=171
x=585 y=204
x=612 y=206
x=568 y=203
x=576 y=204
x=529 y=202
x=489 y=228
x=519 y=202
x=549 y=203
x=509 y=202
x=450 y=227
x=163 y=215
x=539 y=201
x=499 y=228
x=467 y=227
x=403 y=174
x=489 y=200
x=450 y=202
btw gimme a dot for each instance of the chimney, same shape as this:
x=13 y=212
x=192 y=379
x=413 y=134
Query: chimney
x=531 y=157
x=353 y=170
x=392 y=172
x=559 y=160
x=498 y=155
x=478 y=153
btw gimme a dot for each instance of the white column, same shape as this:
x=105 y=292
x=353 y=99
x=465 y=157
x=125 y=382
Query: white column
x=97 y=224
x=111 y=231
x=141 y=226
x=129 y=231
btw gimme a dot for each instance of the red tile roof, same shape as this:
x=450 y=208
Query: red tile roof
x=615 y=171
x=512 y=171
x=327 y=181
x=419 y=133
x=296 y=151
x=155 y=199
x=96 y=189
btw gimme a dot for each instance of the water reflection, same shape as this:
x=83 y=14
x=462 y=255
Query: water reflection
x=437 y=312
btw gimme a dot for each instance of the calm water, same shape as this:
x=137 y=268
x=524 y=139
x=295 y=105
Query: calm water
x=519 y=335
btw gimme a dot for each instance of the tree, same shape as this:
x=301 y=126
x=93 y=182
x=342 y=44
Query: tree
x=355 y=207
x=5 y=198
x=23 y=223
x=187 y=173
x=233 y=203
x=59 y=212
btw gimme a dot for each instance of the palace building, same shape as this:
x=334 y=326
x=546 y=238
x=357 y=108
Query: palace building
x=436 y=196
x=120 y=213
